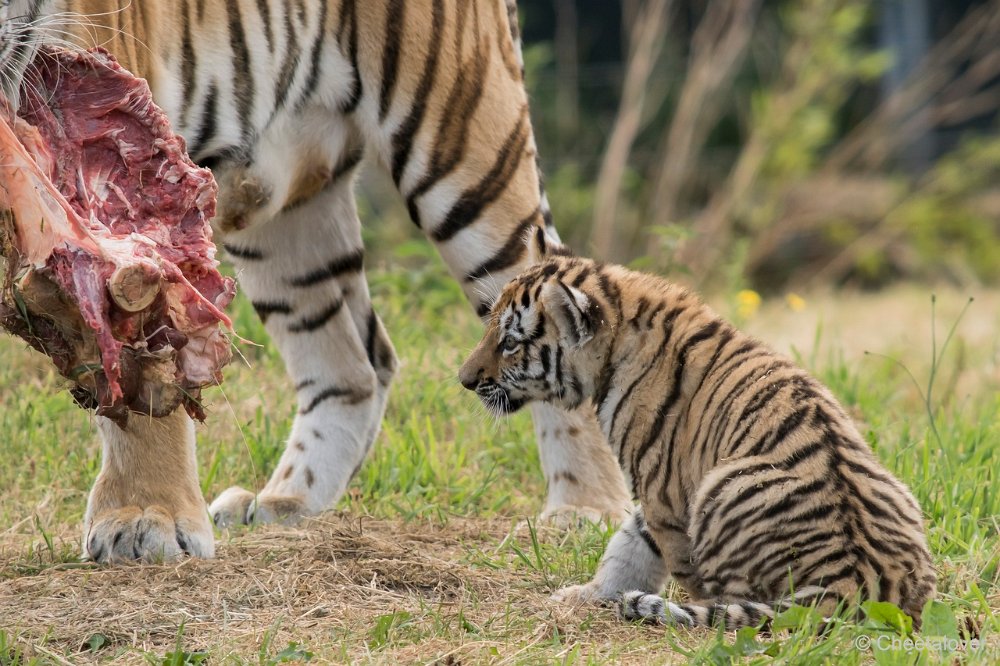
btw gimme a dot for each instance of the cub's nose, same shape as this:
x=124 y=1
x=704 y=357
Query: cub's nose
x=469 y=376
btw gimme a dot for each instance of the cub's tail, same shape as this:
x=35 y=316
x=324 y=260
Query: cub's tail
x=653 y=608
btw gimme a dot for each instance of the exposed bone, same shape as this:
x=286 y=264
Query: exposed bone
x=134 y=287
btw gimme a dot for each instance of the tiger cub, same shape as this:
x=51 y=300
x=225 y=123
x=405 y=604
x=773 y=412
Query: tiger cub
x=756 y=489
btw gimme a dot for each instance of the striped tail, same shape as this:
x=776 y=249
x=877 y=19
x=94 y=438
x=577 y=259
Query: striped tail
x=655 y=609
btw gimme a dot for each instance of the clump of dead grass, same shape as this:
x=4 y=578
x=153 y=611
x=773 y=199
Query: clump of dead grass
x=334 y=573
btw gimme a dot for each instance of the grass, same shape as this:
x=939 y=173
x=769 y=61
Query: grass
x=428 y=557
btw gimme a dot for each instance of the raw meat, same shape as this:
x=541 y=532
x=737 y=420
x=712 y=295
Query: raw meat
x=111 y=269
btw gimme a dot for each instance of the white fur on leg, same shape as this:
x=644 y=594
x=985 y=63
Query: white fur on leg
x=584 y=480
x=629 y=563
x=303 y=272
x=146 y=503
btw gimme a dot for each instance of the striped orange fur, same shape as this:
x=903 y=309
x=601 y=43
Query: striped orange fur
x=756 y=489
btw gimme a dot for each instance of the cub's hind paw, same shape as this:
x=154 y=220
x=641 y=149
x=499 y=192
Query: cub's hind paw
x=151 y=535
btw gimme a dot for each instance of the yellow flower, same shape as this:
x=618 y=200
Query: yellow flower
x=795 y=302
x=747 y=303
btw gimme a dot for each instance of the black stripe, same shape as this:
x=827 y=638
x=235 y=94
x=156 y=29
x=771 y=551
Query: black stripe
x=716 y=408
x=666 y=407
x=706 y=332
x=777 y=437
x=314 y=58
x=509 y=254
x=206 y=129
x=463 y=100
x=790 y=499
x=189 y=59
x=725 y=417
x=349 y=263
x=355 y=396
x=760 y=549
x=308 y=324
x=648 y=538
x=472 y=202
x=640 y=308
x=668 y=323
x=741 y=497
x=265 y=17
x=402 y=139
x=810 y=516
x=349 y=18
x=243 y=84
x=753 y=515
x=265 y=309
x=305 y=383
x=395 y=14
x=288 y=64
x=347 y=162
x=794 y=459
x=370 y=337
x=246 y=253
x=799 y=553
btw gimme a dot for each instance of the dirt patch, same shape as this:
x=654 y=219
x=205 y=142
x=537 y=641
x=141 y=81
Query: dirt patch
x=332 y=585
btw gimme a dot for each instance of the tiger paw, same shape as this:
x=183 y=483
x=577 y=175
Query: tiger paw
x=568 y=517
x=148 y=535
x=583 y=595
x=237 y=506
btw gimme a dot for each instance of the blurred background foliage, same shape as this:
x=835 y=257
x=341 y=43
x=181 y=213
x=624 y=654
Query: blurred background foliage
x=768 y=144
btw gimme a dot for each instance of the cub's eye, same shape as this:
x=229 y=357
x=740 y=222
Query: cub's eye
x=509 y=344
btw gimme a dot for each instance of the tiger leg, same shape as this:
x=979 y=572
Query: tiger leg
x=583 y=478
x=146 y=503
x=303 y=272
x=633 y=560
x=748 y=562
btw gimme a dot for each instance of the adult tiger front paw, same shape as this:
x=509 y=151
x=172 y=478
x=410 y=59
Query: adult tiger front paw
x=147 y=535
x=146 y=504
x=237 y=506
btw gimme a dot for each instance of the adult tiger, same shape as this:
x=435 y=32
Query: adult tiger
x=281 y=99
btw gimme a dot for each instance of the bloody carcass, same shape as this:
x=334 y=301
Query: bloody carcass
x=110 y=267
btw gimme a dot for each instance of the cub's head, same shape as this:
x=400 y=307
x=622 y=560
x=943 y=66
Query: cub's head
x=546 y=338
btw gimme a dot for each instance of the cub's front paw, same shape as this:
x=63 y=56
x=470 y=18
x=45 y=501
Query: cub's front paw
x=148 y=535
x=572 y=517
x=236 y=506
x=584 y=595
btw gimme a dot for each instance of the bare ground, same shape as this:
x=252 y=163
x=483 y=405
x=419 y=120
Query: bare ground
x=330 y=587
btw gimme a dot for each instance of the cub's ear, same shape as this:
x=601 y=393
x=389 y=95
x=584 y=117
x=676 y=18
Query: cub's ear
x=571 y=310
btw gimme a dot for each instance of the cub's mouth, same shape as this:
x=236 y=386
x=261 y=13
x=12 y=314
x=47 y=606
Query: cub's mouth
x=106 y=257
x=497 y=399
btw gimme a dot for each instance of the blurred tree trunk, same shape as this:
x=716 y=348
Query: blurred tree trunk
x=630 y=10
x=567 y=73
x=717 y=50
x=645 y=43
